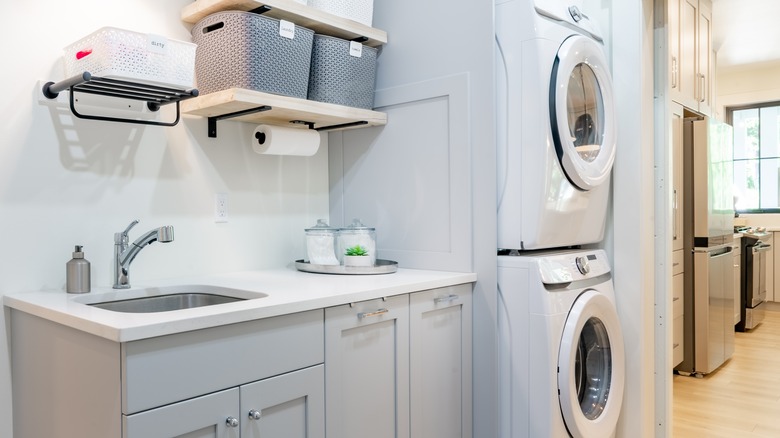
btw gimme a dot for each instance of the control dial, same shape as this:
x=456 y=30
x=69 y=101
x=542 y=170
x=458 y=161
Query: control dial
x=582 y=265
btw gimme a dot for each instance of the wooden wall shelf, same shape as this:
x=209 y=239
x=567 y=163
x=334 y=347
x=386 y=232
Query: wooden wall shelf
x=249 y=106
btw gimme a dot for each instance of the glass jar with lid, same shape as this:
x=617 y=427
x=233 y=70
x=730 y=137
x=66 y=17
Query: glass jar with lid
x=357 y=240
x=321 y=244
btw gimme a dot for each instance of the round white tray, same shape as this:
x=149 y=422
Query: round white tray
x=381 y=267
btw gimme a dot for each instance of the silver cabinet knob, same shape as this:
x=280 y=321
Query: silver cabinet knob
x=254 y=414
x=232 y=422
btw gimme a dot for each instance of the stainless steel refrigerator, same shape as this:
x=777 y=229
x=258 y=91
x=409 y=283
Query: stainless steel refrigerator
x=708 y=218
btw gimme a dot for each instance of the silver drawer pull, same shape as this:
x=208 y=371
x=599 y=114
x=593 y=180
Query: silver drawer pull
x=254 y=414
x=447 y=299
x=675 y=345
x=675 y=298
x=231 y=422
x=362 y=315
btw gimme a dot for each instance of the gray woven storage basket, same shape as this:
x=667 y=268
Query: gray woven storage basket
x=337 y=77
x=244 y=50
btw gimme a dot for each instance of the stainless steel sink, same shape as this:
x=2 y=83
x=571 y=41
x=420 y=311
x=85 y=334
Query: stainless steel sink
x=167 y=298
x=166 y=303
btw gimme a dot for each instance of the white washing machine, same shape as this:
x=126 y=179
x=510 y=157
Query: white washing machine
x=561 y=353
x=555 y=125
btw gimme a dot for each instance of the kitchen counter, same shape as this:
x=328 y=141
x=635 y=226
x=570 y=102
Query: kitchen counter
x=287 y=291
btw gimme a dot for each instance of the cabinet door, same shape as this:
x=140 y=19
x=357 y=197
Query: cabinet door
x=367 y=369
x=211 y=416
x=677 y=176
x=737 y=281
x=771 y=274
x=689 y=17
x=678 y=318
x=673 y=47
x=288 y=406
x=704 y=52
x=440 y=362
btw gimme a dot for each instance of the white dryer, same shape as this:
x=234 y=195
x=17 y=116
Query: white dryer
x=555 y=125
x=561 y=353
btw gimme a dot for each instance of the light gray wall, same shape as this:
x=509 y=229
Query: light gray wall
x=427 y=179
x=65 y=181
x=633 y=213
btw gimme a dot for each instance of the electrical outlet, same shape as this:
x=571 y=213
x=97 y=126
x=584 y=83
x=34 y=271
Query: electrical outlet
x=221 y=207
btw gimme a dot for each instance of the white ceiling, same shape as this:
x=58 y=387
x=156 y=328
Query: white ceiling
x=746 y=31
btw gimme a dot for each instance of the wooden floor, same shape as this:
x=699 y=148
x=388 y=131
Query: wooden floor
x=741 y=398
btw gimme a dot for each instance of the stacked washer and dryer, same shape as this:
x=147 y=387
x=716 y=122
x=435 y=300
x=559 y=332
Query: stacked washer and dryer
x=561 y=350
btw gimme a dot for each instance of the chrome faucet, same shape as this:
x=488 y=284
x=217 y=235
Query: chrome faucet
x=124 y=253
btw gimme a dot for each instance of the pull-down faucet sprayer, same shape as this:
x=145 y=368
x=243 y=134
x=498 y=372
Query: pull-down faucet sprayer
x=124 y=252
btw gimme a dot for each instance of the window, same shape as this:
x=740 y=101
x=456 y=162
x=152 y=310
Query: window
x=756 y=157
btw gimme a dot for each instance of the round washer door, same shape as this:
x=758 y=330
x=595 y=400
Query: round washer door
x=591 y=367
x=582 y=112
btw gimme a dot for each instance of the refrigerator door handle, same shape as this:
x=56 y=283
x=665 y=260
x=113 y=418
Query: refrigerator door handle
x=715 y=251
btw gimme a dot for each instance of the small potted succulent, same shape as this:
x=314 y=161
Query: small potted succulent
x=356 y=256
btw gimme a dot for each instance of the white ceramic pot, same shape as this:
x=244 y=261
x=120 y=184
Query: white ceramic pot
x=357 y=261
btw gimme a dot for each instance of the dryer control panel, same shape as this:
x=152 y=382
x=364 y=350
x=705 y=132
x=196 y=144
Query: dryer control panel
x=573 y=266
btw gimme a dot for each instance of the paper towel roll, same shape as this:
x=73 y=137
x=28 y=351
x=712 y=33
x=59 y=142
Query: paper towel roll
x=279 y=140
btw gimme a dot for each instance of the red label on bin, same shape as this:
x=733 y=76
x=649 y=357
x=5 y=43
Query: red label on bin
x=82 y=53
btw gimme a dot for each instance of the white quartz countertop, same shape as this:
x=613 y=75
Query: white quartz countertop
x=283 y=291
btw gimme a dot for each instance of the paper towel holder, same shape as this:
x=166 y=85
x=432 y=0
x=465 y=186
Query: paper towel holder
x=212 y=121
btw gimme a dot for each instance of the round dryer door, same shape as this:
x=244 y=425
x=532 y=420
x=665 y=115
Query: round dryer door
x=582 y=112
x=591 y=367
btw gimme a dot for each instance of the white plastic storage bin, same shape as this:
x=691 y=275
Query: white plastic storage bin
x=246 y=50
x=139 y=57
x=361 y=11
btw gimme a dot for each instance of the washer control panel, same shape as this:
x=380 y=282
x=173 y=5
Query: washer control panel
x=572 y=266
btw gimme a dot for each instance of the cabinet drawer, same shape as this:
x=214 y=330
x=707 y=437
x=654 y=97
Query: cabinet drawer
x=678 y=345
x=678 y=288
x=176 y=367
x=678 y=262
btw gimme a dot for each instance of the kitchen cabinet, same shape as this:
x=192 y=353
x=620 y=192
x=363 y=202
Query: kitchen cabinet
x=678 y=308
x=400 y=366
x=440 y=358
x=186 y=384
x=286 y=406
x=690 y=54
x=258 y=107
x=678 y=258
x=367 y=377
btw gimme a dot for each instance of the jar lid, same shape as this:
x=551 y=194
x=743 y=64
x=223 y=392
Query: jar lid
x=356 y=225
x=322 y=225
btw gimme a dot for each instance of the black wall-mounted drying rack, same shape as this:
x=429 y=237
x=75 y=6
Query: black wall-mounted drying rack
x=155 y=96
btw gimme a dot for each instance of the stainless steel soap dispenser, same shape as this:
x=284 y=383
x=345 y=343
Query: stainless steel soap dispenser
x=78 y=273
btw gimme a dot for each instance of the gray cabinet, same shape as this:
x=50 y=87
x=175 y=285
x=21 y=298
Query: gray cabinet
x=367 y=372
x=202 y=383
x=288 y=406
x=401 y=366
x=398 y=367
x=211 y=416
x=440 y=357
